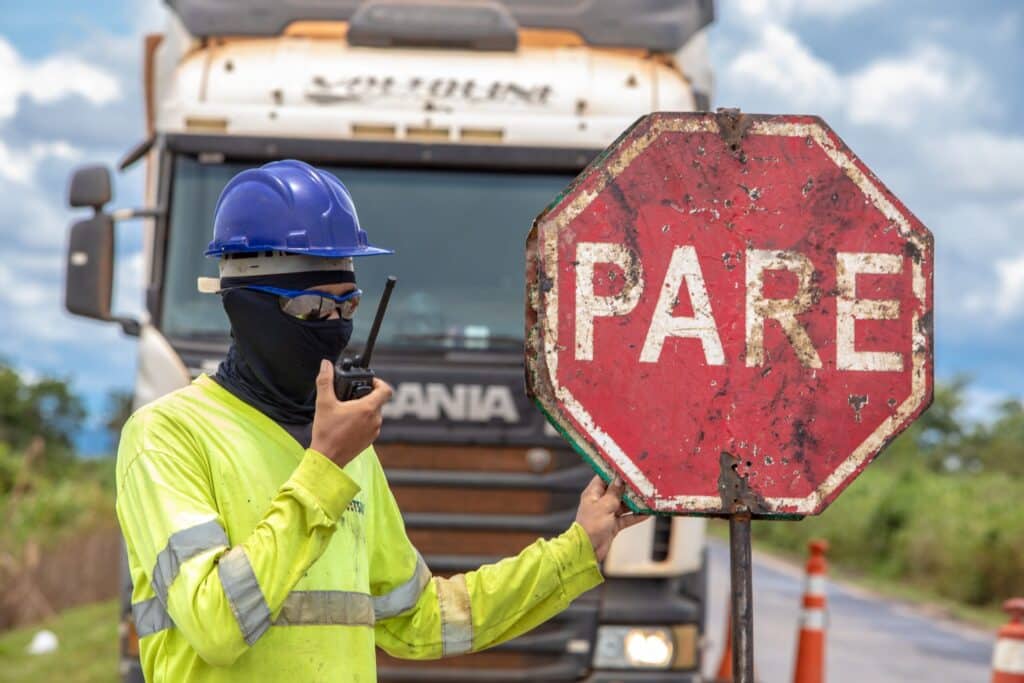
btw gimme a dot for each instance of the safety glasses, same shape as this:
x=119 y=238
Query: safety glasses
x=311 y=304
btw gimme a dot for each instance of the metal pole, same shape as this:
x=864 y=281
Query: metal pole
x=741 y=574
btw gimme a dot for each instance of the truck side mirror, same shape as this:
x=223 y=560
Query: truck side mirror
x=90 y=186
x=89 y=271
x=89 y=282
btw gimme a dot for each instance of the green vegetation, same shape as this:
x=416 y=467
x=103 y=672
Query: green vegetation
x=42 y=415
x=46 y=493
x=87 y=652
x=46 y=506
x=940 y=510
x=47 y=496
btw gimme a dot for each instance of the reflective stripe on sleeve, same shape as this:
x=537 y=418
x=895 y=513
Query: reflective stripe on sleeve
x=343 y=608
x=456 y=615
x=244 y=594
x=403 y=597
x=300 y=608
x=181 y=546
x=150 y=617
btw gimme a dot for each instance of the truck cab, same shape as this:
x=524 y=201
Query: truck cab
x=453 y=124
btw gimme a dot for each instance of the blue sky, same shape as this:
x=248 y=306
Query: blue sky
x=927 y=92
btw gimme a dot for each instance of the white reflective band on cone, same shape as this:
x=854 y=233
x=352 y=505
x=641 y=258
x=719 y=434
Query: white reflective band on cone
x=456 y=615
x=813 y=619
x=1008 y=657
x=815 y=585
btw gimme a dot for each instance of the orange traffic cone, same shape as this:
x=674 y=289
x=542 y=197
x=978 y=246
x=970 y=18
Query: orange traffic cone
x=724 y=674
x=810 y=649
x=1008 y=658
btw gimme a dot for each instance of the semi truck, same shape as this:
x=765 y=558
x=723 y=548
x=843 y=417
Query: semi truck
x=453 y=123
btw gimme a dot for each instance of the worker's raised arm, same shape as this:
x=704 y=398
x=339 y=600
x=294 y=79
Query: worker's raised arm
x=218 y=592
x=424 y=617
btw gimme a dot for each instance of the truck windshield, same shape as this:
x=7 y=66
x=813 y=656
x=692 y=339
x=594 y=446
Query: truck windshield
x=459 y=238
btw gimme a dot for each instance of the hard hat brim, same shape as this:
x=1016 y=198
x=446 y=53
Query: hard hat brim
x=338 y=252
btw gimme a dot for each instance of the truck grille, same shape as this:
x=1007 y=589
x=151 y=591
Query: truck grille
x=465 y=506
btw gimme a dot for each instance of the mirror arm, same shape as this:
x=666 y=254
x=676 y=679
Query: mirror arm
x=135 y=153
x=129 y=214
x=130 y=326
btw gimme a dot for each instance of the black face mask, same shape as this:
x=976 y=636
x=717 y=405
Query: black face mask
x=274 y=358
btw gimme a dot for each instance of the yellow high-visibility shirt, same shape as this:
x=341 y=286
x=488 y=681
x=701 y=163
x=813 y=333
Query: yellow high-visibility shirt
x=255 y=560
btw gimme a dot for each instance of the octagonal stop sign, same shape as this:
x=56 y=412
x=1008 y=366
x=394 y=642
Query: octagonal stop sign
x=731 y=312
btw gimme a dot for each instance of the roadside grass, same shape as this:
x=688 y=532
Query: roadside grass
x=87 y=652
x=954 y=543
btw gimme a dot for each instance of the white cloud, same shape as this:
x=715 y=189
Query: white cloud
x=26 y=295
x=772 y=68
x=1009 y=297
x=19 y=165
x=783 y=10
x=979 y=161
x=36 y=221
x=898 y=92
x=782 y=69
x=979 y=281
x=51 y=79
x=31 y=294
x=975 y=231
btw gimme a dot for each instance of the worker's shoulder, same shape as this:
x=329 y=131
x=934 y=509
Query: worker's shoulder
x=166 y=425
x=180 y=405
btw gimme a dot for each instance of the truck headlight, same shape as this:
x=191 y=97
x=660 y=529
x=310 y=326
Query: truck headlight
x=634 y=647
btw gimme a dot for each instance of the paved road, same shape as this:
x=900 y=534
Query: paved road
x=870 y=640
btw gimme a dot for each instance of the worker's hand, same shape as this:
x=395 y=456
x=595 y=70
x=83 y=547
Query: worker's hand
x=343 y=429
x=602 y=514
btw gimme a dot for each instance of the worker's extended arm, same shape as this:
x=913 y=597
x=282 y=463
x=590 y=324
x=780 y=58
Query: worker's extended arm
x=220 y=593
x=424 y=617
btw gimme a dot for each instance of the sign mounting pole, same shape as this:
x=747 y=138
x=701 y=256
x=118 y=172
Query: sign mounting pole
x=742 y=602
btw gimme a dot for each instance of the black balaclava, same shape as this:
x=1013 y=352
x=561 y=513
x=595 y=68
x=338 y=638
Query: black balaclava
x=274 y=358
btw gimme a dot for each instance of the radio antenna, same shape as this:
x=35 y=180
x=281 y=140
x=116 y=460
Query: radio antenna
x=364 y=359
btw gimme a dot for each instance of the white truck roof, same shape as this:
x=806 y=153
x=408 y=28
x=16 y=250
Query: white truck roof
x=305 y=87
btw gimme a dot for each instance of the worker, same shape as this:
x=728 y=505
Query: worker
x=263 y=541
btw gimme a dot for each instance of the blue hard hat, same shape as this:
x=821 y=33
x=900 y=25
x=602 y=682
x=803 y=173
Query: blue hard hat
x=288 y=206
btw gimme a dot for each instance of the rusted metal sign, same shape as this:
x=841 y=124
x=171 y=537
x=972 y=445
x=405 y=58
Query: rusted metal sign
x=731 y=312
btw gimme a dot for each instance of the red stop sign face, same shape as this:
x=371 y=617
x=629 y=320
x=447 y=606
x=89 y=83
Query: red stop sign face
x=731 y=312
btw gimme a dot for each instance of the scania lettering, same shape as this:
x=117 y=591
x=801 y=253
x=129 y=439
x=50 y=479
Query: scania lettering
x=459 y=403
x=453 y=124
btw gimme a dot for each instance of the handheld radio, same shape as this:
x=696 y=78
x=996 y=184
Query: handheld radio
x=353 y=377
